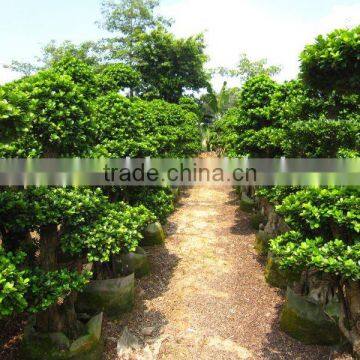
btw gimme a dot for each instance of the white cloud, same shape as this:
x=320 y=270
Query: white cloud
x=6 y=75
x=236 y=26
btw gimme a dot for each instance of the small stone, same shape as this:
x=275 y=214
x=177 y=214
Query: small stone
x=135 y=262
x=148 y=331
x=127 y=343
x=154 y=235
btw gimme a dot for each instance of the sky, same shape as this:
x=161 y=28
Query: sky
x=274 y=29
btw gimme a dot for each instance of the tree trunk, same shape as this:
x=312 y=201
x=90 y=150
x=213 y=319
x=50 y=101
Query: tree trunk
x=58 y=317
x=349 y=321
x=48 y=246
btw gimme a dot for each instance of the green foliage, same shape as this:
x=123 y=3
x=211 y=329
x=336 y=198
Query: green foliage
x=326 y=231
x=14 y=283
x=276 y=194
x=31 y=289
x=177 y=132
x=170 y=66
x=92 y=229
x=81 y=73
x=265 y=143
x=116 y=230
x=247 y=69
x=100 y=227
x=57 y=112
x=215 y=105
x=323 y=212
x=129 y=16
x=334 y=257
x=47 y=288
x=321 y=138
x=84 y=214
x=295 y=119
x=348 y=154
x=159 y=200
x=56 y=117
x=294 y=102
x=226 y=131
x=115 y=129
x=140 y=128
x=11 y=114
x=116 y=77
x=246 y=129
x=54 y=52
x=191 y=104
x=287 y=120
x=255 y=100
x=128 y=19
x=332 y=62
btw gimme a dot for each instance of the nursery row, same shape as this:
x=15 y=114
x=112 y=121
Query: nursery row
x=55 y=240
x=310 y=235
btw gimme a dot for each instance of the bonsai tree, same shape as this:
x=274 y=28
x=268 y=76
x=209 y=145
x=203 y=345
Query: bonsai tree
x=47 y=269
x=72 y=225
x=332 y=62
x=170 y=66
x=116 y=77
x=325 y=222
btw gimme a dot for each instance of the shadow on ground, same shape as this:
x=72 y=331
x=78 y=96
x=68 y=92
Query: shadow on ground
x=278 y=345
x=241 y=224
x=275 y=344
x=150 y=287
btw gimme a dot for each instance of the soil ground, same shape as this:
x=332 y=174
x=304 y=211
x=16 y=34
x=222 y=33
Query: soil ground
x=206 y=297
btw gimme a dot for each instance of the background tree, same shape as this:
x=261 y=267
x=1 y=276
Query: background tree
x=217 y=104
x=167 y=66
x=53 y=52
x=332 y=62
x=247 y=68
x=170 y=66
x=127 y=19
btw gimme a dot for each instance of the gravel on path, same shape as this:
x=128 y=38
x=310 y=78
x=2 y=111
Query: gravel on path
x=206 y=297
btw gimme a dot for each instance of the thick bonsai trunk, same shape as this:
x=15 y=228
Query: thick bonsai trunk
x=60 y=317
x=317 y=286
x=349 y=321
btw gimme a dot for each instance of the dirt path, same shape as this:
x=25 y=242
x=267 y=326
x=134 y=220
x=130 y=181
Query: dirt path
x=206 y=297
